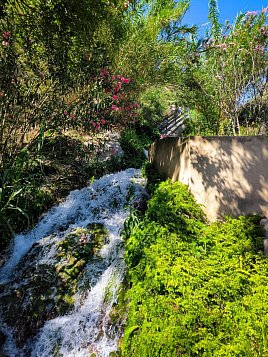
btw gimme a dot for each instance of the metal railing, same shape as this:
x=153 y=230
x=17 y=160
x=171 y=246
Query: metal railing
x=172 y=125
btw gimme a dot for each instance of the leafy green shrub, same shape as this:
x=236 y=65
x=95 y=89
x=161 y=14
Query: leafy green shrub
x=132 y=146
x=174 y=207
x=195 y=294
x=150 y=171
x=200 y=124
x=22 y=200
x=155 y=100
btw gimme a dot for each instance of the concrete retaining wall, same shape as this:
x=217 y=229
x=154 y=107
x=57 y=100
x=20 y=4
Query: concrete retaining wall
x=228 y=175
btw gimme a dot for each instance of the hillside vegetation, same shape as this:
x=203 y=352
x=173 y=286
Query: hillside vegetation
x=94 y=66
x=194 y=289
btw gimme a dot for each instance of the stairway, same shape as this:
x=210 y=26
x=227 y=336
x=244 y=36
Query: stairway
x=172 y=125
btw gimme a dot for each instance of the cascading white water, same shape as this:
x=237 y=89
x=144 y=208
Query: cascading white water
x=86 y=329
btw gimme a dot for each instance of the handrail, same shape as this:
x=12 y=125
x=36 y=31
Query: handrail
x=172 y=125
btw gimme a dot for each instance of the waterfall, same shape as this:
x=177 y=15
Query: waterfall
x=86 y=328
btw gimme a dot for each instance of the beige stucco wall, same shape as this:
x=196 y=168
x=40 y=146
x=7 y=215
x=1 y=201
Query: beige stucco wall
x=228 y=175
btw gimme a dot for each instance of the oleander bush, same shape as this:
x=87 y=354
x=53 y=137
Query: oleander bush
x=194 y=289
x=68 y=65
x=224 y=81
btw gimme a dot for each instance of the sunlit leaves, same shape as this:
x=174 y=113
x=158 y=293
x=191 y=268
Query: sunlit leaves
x=194 y=294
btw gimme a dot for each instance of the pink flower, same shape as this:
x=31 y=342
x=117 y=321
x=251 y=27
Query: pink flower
x=264 y=31
x=115 y=108
x=95 y=125
x=5 y=43
x=252 y=13
x=113 y=78
x=115 y=97
x=222 y=46
x=162 y=136
x=2 y=94
x=118 y=86
x=6 y=34
x=259 y=48
x=125 y=80
x=103 y=121
x=65 y=113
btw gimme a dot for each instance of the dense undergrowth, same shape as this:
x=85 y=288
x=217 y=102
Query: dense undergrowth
x=194 y=289
x=41 y=178
x=134 y=140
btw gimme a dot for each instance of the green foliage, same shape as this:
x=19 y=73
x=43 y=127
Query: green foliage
x=152 y=175
x=227 y=78
x=213 y=16
x=155 y=101
x=132 y=144
x=130 y=225
x=200 y=124
x=154 y=38
x=22 y=200
x=195 y=290
x=176 y=208
x=61 y=67
x=43 y=175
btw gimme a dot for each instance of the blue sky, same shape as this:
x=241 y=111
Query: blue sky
x=198 y=11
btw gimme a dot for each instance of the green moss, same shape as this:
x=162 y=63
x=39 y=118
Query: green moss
x=114 y=315
x=115 y=354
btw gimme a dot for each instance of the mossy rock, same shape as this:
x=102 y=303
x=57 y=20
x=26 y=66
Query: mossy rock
x=42 y=290
x=115 y=354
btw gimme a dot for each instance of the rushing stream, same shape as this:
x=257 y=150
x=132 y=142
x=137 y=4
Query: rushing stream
x=64 y=245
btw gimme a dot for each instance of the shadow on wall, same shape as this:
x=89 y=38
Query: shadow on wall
x=228 y=175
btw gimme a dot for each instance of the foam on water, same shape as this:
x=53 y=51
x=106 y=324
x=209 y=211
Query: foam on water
x=86 y=330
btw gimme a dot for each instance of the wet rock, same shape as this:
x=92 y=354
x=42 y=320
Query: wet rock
x=45 y=287
x=141 y=204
